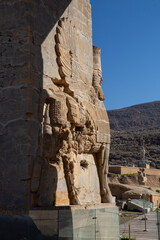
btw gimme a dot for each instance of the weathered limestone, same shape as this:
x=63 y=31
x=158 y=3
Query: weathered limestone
x=71 y=125
x=54 y=129
x=97 y=73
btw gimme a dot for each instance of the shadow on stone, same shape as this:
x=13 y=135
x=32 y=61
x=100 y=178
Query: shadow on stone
x=24 y=27
x=20 y=228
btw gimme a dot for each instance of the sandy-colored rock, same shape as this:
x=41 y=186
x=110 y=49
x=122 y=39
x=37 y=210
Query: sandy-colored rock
x=54 y=129
x=142 y=177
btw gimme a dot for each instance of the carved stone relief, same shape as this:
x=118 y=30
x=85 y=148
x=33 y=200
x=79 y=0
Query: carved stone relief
x=72 y=126
x=97 y=73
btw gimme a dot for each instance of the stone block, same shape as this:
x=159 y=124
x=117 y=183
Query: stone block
x=77 y=223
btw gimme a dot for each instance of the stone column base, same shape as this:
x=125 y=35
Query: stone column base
x=99 y=222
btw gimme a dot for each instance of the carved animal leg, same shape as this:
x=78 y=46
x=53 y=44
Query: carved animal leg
x=102 y=166
x=69 y=176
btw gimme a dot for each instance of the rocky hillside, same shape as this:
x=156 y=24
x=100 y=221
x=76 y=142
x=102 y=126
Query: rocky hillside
x=128 y=126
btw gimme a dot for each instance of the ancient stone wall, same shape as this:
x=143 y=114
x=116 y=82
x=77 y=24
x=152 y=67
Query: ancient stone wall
x=19 y=101
x=54 y=129
x=132 y=170
x=24 y=26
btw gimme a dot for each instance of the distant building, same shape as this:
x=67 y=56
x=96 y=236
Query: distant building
x=144 y=164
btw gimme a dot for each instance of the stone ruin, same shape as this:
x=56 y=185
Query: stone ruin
x=142 y=177
x=75 y=127
x=54 y=128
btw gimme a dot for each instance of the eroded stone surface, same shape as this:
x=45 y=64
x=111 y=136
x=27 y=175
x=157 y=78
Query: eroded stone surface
x=54 y=129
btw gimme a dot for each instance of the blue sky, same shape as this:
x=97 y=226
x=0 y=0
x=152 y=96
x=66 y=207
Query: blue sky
x=128 y=33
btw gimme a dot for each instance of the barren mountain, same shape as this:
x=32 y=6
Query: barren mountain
x=128 y=127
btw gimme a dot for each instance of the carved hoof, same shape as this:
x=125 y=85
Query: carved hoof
x=107 y=198
x=74 y=200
